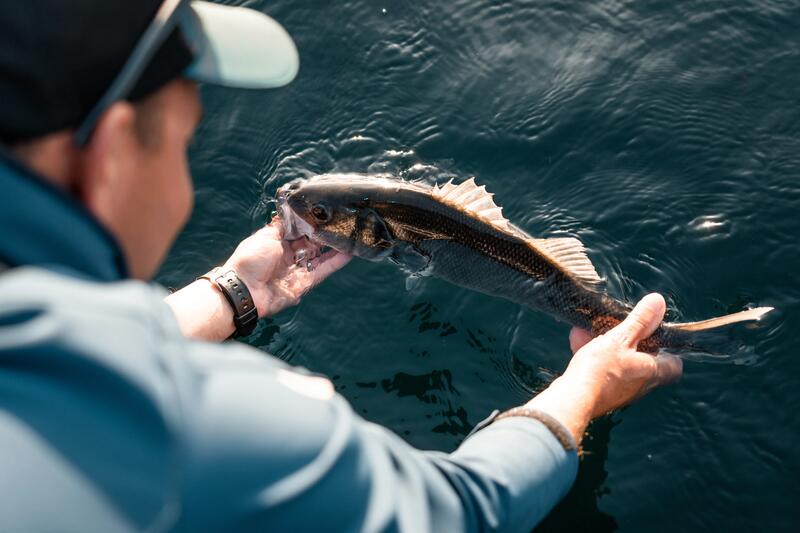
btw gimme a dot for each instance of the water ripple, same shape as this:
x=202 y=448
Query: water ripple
x=664 y=135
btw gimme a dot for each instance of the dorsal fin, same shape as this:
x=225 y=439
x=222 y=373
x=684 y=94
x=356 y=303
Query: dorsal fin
x=566 y=252
x=473 y=199
x=569 y=254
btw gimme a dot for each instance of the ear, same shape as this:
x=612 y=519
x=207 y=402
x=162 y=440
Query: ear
x=107 y=158
x=373 y=225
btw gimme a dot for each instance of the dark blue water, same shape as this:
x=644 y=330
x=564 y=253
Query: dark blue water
x=664 y=135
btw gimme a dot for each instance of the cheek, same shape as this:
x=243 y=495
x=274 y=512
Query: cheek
x=183 y=192
x=172 y=195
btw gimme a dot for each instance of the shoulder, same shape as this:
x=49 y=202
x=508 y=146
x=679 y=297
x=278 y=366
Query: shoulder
x=119 y=330
x=128 y=412
x=88 y=402
x=65 y=295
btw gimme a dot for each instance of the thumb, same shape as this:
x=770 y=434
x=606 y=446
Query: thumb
x=642 y=321
x=578 y=338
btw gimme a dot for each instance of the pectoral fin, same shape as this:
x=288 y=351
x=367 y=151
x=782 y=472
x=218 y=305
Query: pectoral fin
x=413 y=260
x=566 y=252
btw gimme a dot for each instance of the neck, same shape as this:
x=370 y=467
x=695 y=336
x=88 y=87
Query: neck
x=51 y=228
x=52 y=157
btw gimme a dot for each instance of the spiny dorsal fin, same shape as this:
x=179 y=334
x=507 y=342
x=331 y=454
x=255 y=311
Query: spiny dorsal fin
x=566 y=252
x=569 y=254
x=472 y=199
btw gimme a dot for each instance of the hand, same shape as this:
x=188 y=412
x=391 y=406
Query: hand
x=611 y=366
x=608 y=372
x=266 y=264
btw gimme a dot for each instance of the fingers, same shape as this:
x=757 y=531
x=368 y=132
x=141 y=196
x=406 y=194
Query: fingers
x=300 y=243
x=304 y=280
x=642 y=321
x=328 y=263
x=288 y=253
x=578 y=338
x=668 y=369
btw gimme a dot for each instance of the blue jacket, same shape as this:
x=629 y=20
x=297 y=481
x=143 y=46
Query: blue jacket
x=111 y=420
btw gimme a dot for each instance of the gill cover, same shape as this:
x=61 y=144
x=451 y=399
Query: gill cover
x=372 y=231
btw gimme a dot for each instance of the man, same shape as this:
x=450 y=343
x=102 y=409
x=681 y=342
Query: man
x=116 y=413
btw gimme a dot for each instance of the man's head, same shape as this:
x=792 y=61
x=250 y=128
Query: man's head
x=132 y=175
x=110 y=122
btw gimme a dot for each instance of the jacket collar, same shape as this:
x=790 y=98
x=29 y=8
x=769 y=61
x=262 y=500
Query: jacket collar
x=41 y=225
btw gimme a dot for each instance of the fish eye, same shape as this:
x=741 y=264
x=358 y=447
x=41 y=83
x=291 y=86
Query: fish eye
x=321 y=212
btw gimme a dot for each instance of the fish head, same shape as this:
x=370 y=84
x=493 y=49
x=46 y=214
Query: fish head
x=338 y=210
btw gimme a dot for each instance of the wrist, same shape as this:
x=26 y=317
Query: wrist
x=202 y=311
x=237 y=295
x=569 y=402
x=559 y=430
x=589 y=386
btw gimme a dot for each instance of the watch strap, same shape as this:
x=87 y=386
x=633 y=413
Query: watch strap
x=245 y=314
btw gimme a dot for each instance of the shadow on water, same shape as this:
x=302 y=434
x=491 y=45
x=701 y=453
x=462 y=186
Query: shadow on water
x=454 y=417
x=579 y=510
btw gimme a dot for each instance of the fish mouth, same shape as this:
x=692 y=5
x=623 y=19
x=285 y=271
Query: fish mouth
x=294 y=225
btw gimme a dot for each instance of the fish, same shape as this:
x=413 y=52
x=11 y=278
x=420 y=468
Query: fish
x=458 y=233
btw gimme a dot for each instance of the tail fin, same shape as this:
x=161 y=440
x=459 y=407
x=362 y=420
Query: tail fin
x=709 y=340
x=711 y=323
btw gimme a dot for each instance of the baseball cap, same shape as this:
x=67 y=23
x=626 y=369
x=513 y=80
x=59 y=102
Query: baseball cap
x=63 y=63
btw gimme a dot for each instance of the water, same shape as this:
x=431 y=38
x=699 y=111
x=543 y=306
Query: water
x=664 y=135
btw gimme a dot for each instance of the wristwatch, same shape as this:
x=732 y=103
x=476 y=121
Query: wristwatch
x=245 y=314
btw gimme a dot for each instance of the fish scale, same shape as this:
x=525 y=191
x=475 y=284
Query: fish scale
x=477 y=256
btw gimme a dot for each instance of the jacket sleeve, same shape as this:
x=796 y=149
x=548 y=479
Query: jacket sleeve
x=110 y=420
x=260 y=455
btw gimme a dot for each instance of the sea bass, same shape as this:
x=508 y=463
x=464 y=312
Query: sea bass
x=458 y=233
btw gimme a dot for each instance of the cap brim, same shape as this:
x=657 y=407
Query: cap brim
x=238 y=47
